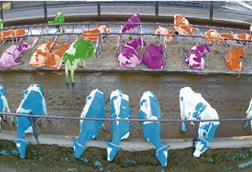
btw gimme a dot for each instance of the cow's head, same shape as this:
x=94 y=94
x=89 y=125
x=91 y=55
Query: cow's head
x=104 y=29
x=23 y=47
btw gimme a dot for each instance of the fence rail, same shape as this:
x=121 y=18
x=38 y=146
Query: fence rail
x=57 y=117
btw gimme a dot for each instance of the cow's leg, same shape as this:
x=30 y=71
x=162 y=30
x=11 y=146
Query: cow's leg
x=66 y=73
x=10 y=119
x=72 y=76
x=84 y=63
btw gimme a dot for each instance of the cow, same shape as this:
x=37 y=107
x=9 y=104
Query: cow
x=89 y=129
x=78 y=51
x=153 y=56
x=59 y=19
x=233 y=59
x=130 y=55
x=10 y=57
x=93 y=35
x=12 y=33
x=55 y=57
x=194 y=107
x=212 y=35
x=132 y=24
x=196 y=56
x=119 y=109
x=33 y=103
x=165 y=32
x=41 y=54
x=149 y=109
x=4 y=106
x=249 y=116
x=182 y=26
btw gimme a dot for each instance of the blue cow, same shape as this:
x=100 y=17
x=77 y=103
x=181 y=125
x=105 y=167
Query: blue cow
x=4 y=107
x=34 y=103
x=249 y=116
x=149 y=109
x=89 y=129
x=119 y=109
x=194 y=107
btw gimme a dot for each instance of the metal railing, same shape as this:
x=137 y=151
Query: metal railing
x=57 y=117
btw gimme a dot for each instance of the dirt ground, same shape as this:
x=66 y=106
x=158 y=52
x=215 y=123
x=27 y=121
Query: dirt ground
x=54 y=158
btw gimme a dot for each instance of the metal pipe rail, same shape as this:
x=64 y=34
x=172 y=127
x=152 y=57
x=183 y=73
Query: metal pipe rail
x=123 y=119
x=121 y=23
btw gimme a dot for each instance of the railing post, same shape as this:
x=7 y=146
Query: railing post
x=99 y=9
x=211 y=10
x=45 y=10
x=1 y=12
x=156 y=8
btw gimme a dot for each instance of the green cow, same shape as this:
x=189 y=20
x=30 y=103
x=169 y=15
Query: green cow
x=59 y=19
x=79 y=51
x=1 y=24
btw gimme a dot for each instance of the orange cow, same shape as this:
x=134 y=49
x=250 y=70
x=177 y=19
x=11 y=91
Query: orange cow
x=41 y=54
x=54 y=59
x=224 y=36
x=164 y=31
x=243 y=36
x=233 y=59
x=212 y=35
x=182 y=25
x=92 y=35
x=12 y=33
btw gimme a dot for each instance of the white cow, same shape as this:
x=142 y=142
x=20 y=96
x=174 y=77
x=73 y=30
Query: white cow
x=4 y=107
x=249 y=115
x=194 y=107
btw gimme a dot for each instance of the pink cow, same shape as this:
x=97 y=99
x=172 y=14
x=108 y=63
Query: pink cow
x=10 y=57
x=153 y=57
x=132 y=23
x=130 y=56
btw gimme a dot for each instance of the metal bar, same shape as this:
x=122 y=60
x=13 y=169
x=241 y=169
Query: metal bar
x=211 y=10
x=120 y=23
x=123 y=119
x=45 y=10
x=99 y=9
x=1 y=12
x=156 y=8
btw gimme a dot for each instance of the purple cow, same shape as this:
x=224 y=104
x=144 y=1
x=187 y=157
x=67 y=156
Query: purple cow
x=195 y=58
x=129 y=56
x=153 y=57
x=10 y=57
x=132 y=23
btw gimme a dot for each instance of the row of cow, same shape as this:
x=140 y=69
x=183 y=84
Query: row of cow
x=51 y=54
x=192 y=107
